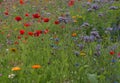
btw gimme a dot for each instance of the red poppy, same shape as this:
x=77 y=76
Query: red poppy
x=27 y=24
x=6 y=13
x=37 y=33
x=16 y=42
x=21 y=2
x=19 y=37
x=26 y=14
x=46 y=19
x=118 y=55
x=71 y=2
x=112 y=52
x=18 y=18
x=46 y=31
x=30 y=33
x=56 y=22
x=22 y=32
x=36 y=15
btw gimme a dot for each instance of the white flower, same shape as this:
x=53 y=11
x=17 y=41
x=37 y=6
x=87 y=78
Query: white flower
x=11 y=76
x=7 y=50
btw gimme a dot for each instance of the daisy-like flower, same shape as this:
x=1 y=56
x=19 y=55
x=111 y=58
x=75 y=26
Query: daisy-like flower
x=36 y=66
x=16 y=69
x=13 y=49
x=74 y=34
x=11 y=76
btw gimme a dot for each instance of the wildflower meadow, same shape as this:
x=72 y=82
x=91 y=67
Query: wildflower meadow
x=59 y=41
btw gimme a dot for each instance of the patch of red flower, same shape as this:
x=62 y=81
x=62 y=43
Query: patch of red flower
x=118 y=55
x=6 y=13
x=36 y=15
x=56 y=22
x=27 y=24
x=30 y=33
x=112 y=52
x=18 y=18
x=26 y=14
x=46 y=19
x=19 y=37
x=22 y=32
x=37 y=33
x=46 y=31
x=16 y=42
x=21 y=2
x=71 y=2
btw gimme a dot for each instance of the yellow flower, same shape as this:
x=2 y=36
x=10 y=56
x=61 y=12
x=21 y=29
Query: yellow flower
x=82 y=53
x=73 y=17
x=16 y=68
x=75 y=21
x=36 y=66
x=13 y=49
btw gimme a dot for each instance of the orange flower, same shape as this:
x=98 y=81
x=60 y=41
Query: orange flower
x=89 y=0
x=36 y=66
x=16 y=68
x=74 y=35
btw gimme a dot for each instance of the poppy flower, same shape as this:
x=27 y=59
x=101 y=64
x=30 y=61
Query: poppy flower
x=6 y=13
x=19 y=37
x=16 y=68
x=118 y=55
x=112 y=52
x=37 y=33
x=22 y=32
x=21 y=2
x=30 y=33
x=36 y=15
x=26 y=14
x=56 y=22
x=27 y=24
x=16 y=42
x=18 y=18
x=71 y=2
x=36 y=66
x=46 y=19
x=46 y=31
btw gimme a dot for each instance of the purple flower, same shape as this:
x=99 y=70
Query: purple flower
x=86 y=38
x=95 y=6
x=92 y=38
x=109 y=29
x=81 y=46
